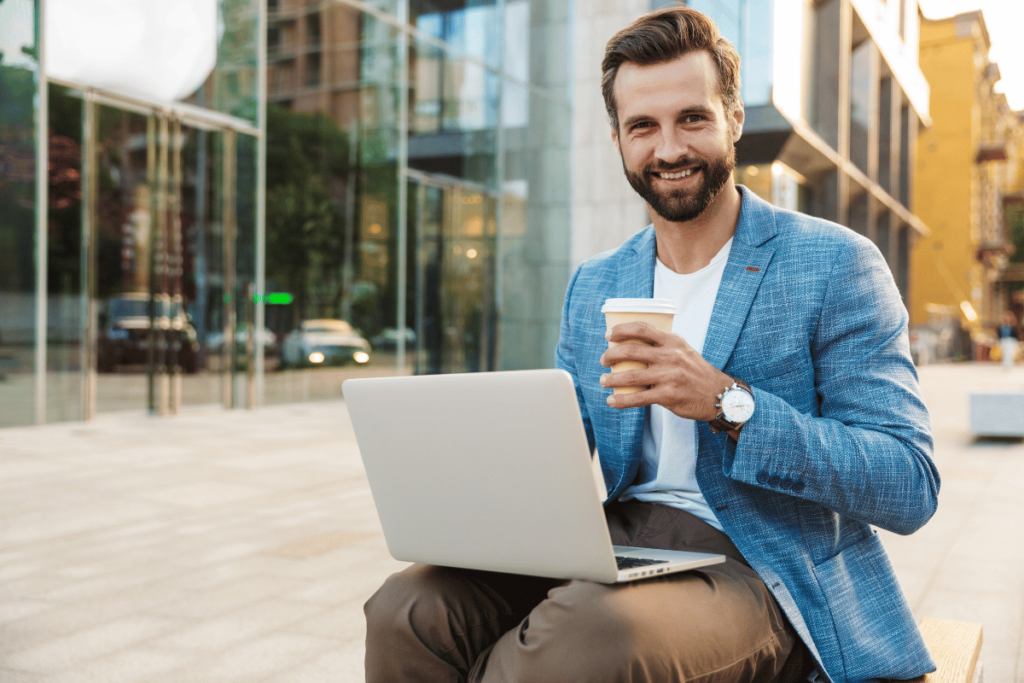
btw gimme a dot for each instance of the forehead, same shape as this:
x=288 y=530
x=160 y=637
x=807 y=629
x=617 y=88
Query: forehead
x=687 y=81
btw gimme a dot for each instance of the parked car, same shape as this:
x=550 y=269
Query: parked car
x=324 y=342
x=215 y=340
x=124 y=332
x=390 y=337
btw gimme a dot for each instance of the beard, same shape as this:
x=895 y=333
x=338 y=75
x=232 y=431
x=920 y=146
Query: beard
x=679 y=206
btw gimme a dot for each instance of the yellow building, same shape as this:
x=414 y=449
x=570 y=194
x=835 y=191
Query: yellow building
x=966 y=167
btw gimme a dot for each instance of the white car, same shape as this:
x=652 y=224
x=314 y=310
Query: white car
x=324 y=342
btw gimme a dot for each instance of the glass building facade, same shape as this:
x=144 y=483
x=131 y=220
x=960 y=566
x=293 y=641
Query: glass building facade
x=355 y=188
x=19 y=196
x=417 y=189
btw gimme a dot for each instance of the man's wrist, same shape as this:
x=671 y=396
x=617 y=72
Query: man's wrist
x=735 y=408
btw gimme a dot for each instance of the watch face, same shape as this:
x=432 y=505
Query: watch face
x=737 y=406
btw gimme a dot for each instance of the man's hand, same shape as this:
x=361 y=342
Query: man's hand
x=677 y=377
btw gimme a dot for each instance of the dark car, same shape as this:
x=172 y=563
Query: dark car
x=124 y=333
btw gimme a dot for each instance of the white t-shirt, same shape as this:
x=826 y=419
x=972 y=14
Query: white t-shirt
x=668 y=466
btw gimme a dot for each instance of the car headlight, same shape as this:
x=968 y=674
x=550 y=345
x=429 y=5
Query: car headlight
x=316 y=357
x=361 y=357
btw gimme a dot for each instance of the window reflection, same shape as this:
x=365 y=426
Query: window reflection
x=399 y=238
x=747 y=24
x=863 y=101
x=471 y=31
x=18 y=71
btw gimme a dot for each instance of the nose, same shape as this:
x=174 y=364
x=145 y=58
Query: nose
x=672 y=145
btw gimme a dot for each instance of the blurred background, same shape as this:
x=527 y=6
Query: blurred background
x=245 y=202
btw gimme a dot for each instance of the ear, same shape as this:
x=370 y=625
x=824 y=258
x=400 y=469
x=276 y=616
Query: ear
x=615 y=141
x=736 y=119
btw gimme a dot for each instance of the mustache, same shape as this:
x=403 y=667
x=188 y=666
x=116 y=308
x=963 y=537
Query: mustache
x=675 y=167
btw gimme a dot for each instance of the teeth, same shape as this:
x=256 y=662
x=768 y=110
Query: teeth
x=676 y=176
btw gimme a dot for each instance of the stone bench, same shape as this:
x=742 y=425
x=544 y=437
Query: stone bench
x=997 y=411
x=955 y=646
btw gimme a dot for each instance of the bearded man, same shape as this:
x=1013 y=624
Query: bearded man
x=796 y=327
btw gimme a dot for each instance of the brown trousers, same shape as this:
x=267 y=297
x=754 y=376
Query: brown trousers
x=431 y=624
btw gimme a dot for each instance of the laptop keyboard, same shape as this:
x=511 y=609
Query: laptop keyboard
x=631 y=562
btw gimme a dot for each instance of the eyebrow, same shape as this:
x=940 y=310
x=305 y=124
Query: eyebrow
x=637 y=118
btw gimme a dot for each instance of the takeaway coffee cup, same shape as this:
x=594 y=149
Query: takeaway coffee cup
x=655 y=312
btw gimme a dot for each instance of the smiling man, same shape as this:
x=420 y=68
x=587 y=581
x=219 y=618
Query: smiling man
x=780 y=420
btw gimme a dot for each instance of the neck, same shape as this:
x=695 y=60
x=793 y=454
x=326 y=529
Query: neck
x=689 y=246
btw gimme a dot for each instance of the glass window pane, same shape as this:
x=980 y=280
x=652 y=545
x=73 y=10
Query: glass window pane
x=470 y=28
x=747 y=24
x=64 y=258
x=454 y=116
x=18 y=138
x=332 y=211
x=232 y=87
x=863 y=104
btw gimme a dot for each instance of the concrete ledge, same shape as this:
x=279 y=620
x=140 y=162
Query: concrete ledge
x=997 y=411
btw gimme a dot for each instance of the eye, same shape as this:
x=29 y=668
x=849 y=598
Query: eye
x=693 y=118
x=640 y=125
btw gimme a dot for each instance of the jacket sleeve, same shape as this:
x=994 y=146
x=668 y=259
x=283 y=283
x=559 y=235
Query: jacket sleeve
x=866 y=455
x=565 y=354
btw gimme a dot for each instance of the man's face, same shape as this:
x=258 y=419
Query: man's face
x=676 y=139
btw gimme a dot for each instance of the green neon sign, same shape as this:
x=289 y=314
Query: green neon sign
x=274 y=298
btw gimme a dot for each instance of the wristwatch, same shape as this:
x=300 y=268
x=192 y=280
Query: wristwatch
x=735 y=406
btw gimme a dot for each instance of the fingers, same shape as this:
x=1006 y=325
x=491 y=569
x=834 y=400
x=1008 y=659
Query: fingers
x=638 y=352
x=675 y=351
x=627 y=378
x=637 y=330
x=636 y=399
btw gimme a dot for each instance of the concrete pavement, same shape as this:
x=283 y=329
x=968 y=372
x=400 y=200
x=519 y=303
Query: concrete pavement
x=240 y=546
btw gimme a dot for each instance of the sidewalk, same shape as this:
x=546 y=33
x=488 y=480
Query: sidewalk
x=240 y=546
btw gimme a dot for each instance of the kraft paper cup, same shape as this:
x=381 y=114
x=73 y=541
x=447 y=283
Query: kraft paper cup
x=657 y=313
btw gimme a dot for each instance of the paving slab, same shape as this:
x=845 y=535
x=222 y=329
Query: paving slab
x=241 y=545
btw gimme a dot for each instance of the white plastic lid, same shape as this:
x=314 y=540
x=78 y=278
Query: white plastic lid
x=639 y=306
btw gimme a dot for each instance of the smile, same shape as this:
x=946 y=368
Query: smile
x=676 y=176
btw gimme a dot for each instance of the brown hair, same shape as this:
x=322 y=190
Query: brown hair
x=665 y=35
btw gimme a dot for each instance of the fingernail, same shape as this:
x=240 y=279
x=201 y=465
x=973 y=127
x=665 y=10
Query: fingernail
x=603 y=380
x=611 y=400
x=607 y=334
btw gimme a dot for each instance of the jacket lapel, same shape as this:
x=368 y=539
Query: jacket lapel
x=636 y=281
x=636 y=269
x=748 y=261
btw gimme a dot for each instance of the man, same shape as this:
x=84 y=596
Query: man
x=801 y=327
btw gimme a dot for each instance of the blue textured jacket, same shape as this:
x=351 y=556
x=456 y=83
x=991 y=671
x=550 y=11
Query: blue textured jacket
x=808 y=314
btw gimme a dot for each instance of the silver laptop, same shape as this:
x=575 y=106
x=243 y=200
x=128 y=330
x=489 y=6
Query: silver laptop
x=492 y=471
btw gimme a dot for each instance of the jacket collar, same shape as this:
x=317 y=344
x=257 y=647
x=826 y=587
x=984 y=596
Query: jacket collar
x=756 y=226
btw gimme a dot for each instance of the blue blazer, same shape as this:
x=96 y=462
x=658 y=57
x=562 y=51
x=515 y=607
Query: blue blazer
x=808 y=314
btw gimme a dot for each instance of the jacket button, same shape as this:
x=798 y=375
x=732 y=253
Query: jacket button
x=774 y=481
x=786 y=484
x=798 y=487
x=762 y=477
